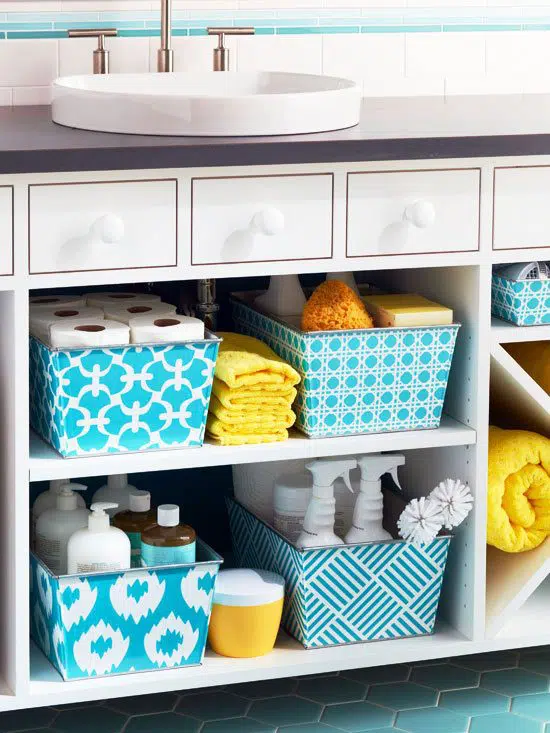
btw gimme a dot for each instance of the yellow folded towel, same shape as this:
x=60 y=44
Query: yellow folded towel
x=265 y=394
x=244 y=361
x=534 y=357
x=220 y=434
x=266 y=416
x=518 y=490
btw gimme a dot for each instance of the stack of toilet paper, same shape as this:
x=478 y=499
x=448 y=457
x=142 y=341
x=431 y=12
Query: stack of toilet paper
x=108 y=319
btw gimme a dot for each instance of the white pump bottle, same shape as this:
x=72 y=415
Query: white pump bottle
x=116 y=491
x=55 y=526
x=284 y=297
x=99 y=547
x=318 y=529
x=369 y=507
x=48 y=500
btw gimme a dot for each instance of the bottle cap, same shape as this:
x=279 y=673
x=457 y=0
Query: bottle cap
x=140 y=501
x=66 y=498
x=245 y=587
x=168 y=515
x=117 y=481
x=99 y=519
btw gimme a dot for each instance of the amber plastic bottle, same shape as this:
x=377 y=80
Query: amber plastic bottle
x=135 y=520
x=168 y=542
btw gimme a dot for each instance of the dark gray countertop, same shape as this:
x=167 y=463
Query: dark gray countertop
x=390 y=129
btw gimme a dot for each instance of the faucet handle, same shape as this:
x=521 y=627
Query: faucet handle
x=221 y=53
x=101 y=55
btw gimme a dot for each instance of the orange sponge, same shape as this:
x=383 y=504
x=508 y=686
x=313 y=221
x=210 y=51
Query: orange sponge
x=333 y=306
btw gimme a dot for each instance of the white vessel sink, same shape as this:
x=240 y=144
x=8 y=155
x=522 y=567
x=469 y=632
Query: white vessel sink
x=211 y=104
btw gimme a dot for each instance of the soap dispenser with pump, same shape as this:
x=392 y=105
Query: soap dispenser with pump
x=55 y=526
x=369 y=506
x=318 y=529
x=117 y=492
x=48 y=500
x=99 y=548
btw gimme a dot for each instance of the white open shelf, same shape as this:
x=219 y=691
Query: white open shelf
x=46 y=464
x=504 y=332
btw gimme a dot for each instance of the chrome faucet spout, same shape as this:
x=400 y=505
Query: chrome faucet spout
x=165 y=55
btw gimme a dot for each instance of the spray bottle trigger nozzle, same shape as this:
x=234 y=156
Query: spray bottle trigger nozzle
x=393 y=474
x=346 y=479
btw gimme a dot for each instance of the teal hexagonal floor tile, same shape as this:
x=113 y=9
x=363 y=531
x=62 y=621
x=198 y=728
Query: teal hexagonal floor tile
x=236 y=725
x=504 y=723
x=309 y=728
x=489 y=661
x=514 y=682
x=331 y=690
x=21 y=719
x=445 y=676
x=90 y=720
x=265 y=688
x=213 y=705
x=378 y=675
x=163 y=723
x=432 y=720
x=285 y=710
x=162 y=702
x=536 y=660
x=357 y=717
x=474 y=701
x=402 y=696
x=533 y=706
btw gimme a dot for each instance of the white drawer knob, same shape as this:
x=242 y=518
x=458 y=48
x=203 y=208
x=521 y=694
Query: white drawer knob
x=420 y=214
x=109 y=228
x=268 y=221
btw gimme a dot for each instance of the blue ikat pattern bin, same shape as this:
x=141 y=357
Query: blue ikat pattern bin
x=523 y=302
x=114 y=623
x=123 y=398
x=347 y=594
x=368 y=381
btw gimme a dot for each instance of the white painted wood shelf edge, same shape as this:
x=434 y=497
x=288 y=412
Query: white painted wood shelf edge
x=47 y=464
x=504 y=332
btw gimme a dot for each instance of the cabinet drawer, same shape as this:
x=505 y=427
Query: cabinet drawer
x=6 y=230
x=413 y=212
x=102 y=226
x=261 y=218
x=521 y=212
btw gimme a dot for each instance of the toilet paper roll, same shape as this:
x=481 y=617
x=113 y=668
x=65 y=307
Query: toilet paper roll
x=126 y=313
x=170 y=328
x=101 y=300
x=92 y=332
x=47 y=302
x=40 y=321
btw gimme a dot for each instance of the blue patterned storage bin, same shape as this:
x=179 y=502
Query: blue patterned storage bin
x=124 y=398
x=134 y=621
x=523 y=302
x=369 y=381
x=346 y=594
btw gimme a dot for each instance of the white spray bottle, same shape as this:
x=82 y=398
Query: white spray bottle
x=318 y=529
x=369 y=507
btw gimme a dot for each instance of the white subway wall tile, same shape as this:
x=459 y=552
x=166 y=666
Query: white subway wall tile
x=28 y=63
x=509 y=53
x=364 y=56
x=441 y=54
x=405 y=87
x=31 y=95
x=6 y=97
x=484 y=84
x=301 y=54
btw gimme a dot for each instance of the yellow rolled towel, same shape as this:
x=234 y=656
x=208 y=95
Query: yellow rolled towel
x=534 y=358
x=244 y=361
x=518 y=490
x=221 y=433
x=265 y=394
x=265 y=416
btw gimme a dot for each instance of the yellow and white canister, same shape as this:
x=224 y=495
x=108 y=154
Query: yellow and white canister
x=246 y=613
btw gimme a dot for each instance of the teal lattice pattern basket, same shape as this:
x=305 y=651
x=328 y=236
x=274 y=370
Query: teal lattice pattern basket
x=523 y=302
x=347 y=594
x=124 y=398
x=113 y=623
x=369 y=381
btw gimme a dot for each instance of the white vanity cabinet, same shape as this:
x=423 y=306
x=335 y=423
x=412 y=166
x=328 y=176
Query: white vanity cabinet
x=429 y=226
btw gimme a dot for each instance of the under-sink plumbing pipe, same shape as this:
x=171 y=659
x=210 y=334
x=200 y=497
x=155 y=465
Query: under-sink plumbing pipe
x=206 y=307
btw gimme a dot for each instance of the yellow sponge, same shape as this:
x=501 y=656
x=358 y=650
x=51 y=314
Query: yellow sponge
x=333 y=306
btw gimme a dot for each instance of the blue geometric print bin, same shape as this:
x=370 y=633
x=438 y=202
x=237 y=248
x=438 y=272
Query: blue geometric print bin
x=121 y=398
x=350 y=593
x=523 y=302
x=113 y=623
x=368 y=381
